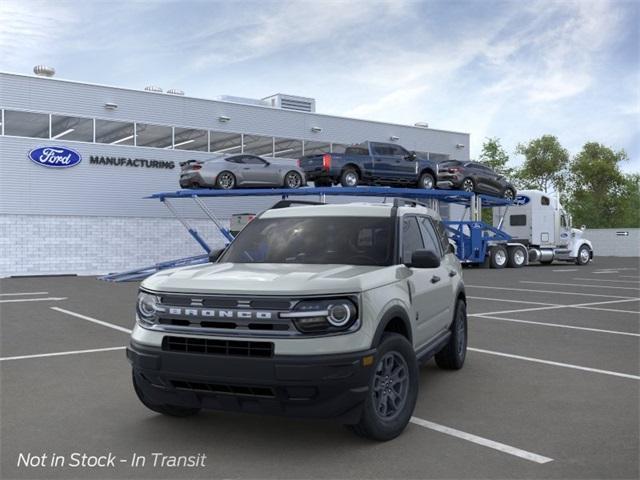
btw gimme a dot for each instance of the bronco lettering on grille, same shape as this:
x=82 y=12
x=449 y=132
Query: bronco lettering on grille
x=216 y=313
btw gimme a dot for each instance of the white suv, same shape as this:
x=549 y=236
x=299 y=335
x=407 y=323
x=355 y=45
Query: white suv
x=313 y=310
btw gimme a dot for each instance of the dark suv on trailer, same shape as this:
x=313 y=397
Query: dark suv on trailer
x=474 y=177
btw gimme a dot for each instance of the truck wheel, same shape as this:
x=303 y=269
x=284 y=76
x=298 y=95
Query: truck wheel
x=517 y=257
x=509 y=194
x=426 y=181
x=349 y=178
x=393 y=390
x=467 y=185
x=498 y=256
x=452 y=356
x=584 y=255
x=226 y=180
x=170 y=410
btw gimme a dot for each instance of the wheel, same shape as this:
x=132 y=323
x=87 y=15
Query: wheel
x=426 y=181
x=498 y=257
x=517 y=257
x=170 y=410
x=349 y=178
x=467 y=185
x=584 y=255
x=293 y=180
x=226 y=180
x=509 y=194
x=452 y=356
x=393 y=390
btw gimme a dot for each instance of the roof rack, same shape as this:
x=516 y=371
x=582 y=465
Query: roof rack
x=289 y=203
x=411 y=202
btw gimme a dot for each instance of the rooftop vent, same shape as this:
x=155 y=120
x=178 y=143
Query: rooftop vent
x=243 y=100
x=291 y=102
x=421 y=124
x=44 y=71
x=153 y=88
x=175 y=91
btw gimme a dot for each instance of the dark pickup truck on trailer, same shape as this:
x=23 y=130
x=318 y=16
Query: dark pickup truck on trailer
x=370 y=163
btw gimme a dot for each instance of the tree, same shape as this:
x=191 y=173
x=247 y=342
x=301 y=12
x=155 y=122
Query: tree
x=601 y=196
x=495 y=157
x=545 y=164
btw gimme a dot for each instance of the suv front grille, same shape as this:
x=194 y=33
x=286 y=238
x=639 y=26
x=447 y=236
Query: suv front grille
x=208 y=346
x=253 y=391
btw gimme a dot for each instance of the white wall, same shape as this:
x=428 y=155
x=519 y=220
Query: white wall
x=607 y=242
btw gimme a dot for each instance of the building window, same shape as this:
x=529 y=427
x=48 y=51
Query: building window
x=190 y=139
x=158 y=136
x=26 y=124
x=287 y=148
x=71 y=128
x=114 y=133
x=225 y=143
x=316 y=148
x=258 y=145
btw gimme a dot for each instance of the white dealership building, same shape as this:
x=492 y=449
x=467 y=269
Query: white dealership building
x=91 y=217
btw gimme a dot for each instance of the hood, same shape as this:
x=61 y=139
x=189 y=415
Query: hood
x=271 y=279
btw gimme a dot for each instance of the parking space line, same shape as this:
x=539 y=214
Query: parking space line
x=606 y=280
x=587 y=306
x=19 y=300
x=558 y=325
x=629 y=276
x=580 y=285
x=555 y=364
x=22 y=293
x=510 y=301
x=566 y=270
x=528 y=290
x=93 y=320
x=485 y=442
x=59 y=354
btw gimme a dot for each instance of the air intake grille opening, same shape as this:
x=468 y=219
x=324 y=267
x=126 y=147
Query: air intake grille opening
x=254 y=391
x=218 y=347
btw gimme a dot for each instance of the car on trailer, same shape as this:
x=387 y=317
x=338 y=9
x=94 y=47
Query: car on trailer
x=474 y=177
x=238 y=171
x=371 y=163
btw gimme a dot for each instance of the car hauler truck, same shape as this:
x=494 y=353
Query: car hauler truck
x=538 y=225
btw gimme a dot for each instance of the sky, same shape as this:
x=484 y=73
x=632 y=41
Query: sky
x=508 y=69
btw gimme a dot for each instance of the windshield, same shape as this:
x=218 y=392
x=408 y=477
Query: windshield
x=319 y=240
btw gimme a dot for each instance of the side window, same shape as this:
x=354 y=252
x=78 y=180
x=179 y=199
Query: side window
x=563 y=221
x=411 y=238
x=517 y=220
x=545 y=201
x=398 y=151
x=251 y=160
x=431 y=241
x=442 y=234
x=237 y=159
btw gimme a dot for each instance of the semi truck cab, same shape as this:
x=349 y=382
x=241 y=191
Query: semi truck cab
x=538 y=221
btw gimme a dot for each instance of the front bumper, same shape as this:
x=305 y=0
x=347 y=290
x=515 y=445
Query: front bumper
x=320 y=386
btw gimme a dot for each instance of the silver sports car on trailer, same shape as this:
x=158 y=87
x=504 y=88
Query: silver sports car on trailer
x=243 y=170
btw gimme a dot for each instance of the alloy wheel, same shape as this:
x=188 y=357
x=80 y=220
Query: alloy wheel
x=351 y=179
x=226 y=181
x=390 y=385
x=467 y=185
x=293 y=180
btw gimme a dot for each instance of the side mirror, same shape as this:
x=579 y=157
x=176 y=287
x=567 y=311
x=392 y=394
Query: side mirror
x=451 y=248
x=411 y=157
x=215 y=254
x=583 y=227
x=424 y=259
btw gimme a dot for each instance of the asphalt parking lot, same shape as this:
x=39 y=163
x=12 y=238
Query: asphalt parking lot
x=550 y=390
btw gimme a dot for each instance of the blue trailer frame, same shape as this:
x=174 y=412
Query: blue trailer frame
x=471 y=245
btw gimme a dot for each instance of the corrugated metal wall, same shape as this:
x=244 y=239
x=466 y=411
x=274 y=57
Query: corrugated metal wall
x=615 y=242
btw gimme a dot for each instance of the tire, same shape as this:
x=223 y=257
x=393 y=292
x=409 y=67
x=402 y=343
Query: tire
x=292 y=180
x=517 y=257
x=498 y=256
x=225 y=180
x=509 y=194
x=426 y=182
x=452 y=356
x=468 y=185
x=394 y=352
x=349 y=178
x=584 y=255
x=169 y=410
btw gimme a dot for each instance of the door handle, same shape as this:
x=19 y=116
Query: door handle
x=435 y=279
x=452 y=273
x=247 y=168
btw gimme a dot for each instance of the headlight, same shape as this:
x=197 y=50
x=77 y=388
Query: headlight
x=147 y=308
x=324 y=316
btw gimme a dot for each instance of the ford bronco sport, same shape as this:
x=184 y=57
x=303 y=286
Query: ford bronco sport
x=313 y=310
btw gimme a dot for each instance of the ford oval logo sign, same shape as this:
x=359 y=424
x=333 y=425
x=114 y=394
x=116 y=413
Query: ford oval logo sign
x=55 y=157
x=521 y=200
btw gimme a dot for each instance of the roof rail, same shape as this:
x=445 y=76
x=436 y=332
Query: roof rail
x=402 y=202
x=288 y=203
